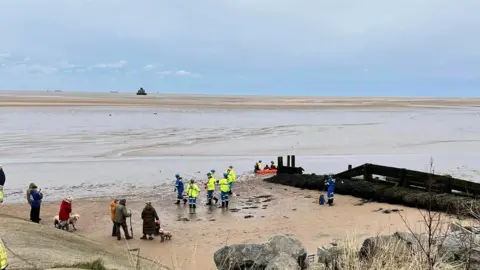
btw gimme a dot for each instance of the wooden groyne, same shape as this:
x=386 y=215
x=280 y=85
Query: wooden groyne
x=412 y=179
x=409 y=188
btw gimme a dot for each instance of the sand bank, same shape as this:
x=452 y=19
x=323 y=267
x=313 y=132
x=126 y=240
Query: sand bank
x=280 y=209
x=66 y=99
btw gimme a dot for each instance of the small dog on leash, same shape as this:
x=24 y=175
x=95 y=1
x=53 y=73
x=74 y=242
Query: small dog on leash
x=63 y=225
x=165 y=235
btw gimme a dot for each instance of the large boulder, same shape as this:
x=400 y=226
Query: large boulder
x=243 y=256
x=273 y=254
x=330 y=255
x=460 y=245
x=283 y=261
x=289 y=245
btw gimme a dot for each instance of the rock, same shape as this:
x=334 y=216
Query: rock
x=280 y=252
x=456 y=245
x=243 y=256
x=413 y=241
x=373 y=244
x=248 y=216
x=316 y=266
x=328 y=256
x=283 y=261
x=291 y=246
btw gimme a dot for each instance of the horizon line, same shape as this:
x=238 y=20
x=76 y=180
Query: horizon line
x=231 y=95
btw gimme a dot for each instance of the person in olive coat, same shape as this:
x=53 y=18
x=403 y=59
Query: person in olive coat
x=121 y=215
x=149 y=216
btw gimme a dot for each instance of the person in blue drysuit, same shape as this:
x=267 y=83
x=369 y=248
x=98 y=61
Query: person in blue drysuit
x=331 y=189
x=179 y=188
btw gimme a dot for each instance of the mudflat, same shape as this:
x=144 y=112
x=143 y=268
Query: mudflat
x=24 y=98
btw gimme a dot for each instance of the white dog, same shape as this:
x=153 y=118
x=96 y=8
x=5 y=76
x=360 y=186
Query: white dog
x=65 y=225
x=165 y=235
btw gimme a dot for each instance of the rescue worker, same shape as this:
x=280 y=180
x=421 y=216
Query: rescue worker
x=273 y=165
x=330 y=190
x=212 y=171
x=258 y=166
x=211 y=188
x=179 y=188
x=3 y=256
x=224 y=190
x=192 y=192
x=231 y=177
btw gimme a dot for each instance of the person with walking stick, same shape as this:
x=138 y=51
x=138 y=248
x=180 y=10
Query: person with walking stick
x=121 y=215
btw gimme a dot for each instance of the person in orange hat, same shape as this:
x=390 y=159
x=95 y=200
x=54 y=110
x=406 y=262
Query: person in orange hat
x=113 y=204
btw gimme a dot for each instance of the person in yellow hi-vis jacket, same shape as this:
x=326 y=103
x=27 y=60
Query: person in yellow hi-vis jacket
x=224 y=190
x=192 y=191
x=3 y=256
x=231 y=177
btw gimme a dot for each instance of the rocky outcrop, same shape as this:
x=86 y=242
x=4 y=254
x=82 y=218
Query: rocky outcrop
x=279 y=252
x=383 y=192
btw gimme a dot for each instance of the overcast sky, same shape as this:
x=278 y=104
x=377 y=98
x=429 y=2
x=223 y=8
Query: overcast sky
x=360 y=48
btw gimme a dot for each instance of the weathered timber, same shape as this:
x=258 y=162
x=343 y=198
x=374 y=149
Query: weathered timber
x=407 y=178
x=382 y=191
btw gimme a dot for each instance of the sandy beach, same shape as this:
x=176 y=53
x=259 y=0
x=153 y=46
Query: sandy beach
x=98 y=146
x=279 y=210
x=66 y=99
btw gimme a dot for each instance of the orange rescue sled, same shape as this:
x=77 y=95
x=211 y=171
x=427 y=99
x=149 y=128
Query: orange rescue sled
x=274 y=171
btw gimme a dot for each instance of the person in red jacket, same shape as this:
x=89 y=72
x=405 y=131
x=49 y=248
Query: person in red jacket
x=65 y=211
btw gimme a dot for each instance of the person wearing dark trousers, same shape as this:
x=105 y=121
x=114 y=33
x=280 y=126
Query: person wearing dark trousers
x=37 y=197
x=121 y=215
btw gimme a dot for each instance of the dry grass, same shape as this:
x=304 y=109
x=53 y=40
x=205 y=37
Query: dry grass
x=391 y=255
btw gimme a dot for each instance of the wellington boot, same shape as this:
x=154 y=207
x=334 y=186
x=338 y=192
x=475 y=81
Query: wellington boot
x=215 y=199
x=178 y=202
x=185 y=201
x=226 y=204
x=194 y=206
x=223 y=205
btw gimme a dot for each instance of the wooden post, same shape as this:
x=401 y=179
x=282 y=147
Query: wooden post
x=447 y=185
x=280 y=161
x=403 y=182
x=367 y=175
x=349 y=166
x=288 y=161
x=293 y=160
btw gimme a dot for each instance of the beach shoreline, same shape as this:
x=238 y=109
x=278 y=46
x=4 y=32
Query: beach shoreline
x=74 y=99
x=272 y=209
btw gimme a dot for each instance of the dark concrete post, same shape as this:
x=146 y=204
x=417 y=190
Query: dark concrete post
x=349 y=166
x=288 y=161
x=293 y=160
x=280 y=161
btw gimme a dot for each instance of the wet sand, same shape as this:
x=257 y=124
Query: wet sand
x=69 y=99
x=275 y=209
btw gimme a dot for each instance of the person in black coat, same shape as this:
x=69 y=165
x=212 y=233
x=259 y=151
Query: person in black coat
x=2 y=176
x=149 y=216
